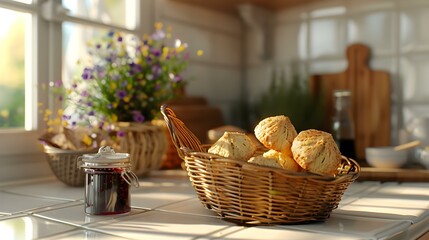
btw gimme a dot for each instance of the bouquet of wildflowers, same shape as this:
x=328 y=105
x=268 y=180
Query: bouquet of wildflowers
x=123 y=79
x=127 y=79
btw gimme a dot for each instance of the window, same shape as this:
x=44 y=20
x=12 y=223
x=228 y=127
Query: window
x=40 y=43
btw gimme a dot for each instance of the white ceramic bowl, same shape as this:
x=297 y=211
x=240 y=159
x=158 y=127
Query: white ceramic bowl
x=386 y=157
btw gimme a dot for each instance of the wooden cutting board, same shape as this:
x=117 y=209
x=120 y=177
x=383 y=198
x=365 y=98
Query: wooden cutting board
x=370 y=98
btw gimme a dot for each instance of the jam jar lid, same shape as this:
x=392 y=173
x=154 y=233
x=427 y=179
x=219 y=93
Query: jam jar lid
x=106 y=157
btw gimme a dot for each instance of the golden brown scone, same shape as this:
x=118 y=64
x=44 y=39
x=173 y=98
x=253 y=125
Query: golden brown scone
x=316 y=152
x=263 y=161
x=234 y=145
x=276 y=133
x=284 y=159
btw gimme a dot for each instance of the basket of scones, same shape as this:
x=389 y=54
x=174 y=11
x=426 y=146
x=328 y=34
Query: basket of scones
x=284 y=178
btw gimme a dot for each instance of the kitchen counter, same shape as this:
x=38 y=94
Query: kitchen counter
x=166 y=207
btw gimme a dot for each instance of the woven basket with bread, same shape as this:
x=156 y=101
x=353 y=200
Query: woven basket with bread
x=283 y=178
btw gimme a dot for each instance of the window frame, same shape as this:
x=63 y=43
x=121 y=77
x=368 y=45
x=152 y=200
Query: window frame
x=46 y=58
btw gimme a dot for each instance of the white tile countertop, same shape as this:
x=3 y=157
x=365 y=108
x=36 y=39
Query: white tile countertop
x=166 y=207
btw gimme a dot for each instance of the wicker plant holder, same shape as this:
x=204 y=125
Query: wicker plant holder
x=63 y=164
x=253 y=194
x=145 y=142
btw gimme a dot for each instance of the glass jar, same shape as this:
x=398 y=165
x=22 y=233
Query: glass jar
x=108 y=176
x=343 y=129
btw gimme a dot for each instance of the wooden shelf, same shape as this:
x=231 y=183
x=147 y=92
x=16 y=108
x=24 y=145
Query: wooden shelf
x=396 y=175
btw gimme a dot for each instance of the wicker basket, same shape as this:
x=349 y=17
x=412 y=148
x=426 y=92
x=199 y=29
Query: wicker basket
x=63 y=164
x=253 y=194
x=146 y=143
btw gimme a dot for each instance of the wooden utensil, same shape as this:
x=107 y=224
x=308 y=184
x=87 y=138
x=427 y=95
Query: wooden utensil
x=408 y=145
x=370 y=98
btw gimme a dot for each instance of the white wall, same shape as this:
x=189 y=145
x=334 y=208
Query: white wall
x=306 y=40
x=216 y=74
x=315 y=36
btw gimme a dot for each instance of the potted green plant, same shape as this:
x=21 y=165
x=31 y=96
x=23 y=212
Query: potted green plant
x=293 y=99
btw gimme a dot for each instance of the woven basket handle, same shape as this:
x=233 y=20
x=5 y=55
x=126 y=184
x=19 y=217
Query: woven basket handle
x=183 y=138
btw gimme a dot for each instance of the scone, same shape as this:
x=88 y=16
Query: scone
x=284 y=159
x=316 y=152
x=234 y=145
x=263 y=161
x=276 y=133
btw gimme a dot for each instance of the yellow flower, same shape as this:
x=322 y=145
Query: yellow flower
x=129 y=86
x=48 y=112
x=145 y=50
x=164 y=52
x=87 y=140
x=114 y=117
x=181 y=48
x=127 y=99
x=112 y=86
x=57 y=122
x=60 y=112
x=200 y=53
x=158 y=25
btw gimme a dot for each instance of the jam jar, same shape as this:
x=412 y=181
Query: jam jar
x=108 y=177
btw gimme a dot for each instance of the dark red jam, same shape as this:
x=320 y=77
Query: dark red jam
x=106 y=192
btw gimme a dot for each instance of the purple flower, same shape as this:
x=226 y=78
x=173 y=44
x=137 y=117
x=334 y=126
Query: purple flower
x=177 y=78
x=101 y=72
x=116 y=77
x=98 y=46
x=60 y=98
x=74 y=85
x=121 y=94
x=120 y=134
x=58 y=83
x=134 y=68
x=157 y=87
x=87 y=74
x=84 y=93
x=120 y=39
x=156 y=52
x=137 y=116
x=91 y=113
x=89 y=104
x=156 y=71
x=158 y=35
x=110 y=33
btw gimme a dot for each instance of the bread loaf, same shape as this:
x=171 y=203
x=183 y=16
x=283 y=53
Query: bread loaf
x=234 y=145
x=276 y=133
x=316 y=152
